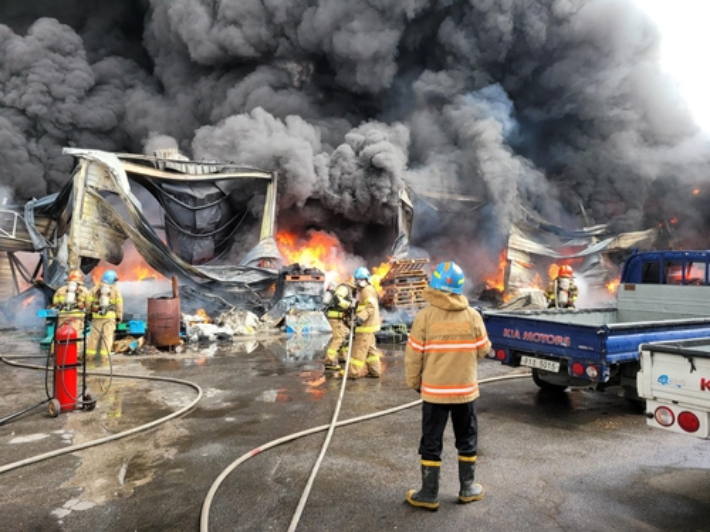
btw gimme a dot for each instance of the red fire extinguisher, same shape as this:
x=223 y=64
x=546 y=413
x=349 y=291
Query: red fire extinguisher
x=65 y=368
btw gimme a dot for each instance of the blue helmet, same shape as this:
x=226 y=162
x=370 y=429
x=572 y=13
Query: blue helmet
x=362 y=273
x=109 y=277
x=448 y=277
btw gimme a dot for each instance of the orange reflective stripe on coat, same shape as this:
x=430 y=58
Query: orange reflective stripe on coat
x=449 y=390
x=448 y=345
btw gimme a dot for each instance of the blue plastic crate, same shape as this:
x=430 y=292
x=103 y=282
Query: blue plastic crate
x=136 y=327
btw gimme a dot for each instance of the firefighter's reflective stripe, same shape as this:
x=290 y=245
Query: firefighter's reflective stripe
x=332 y=352
x=367 y=329
x=448 y=345
x=467 y=458
x=449 y=390
x=344 y=304
x=431 y=463
x=110 y=315
x=91 y=351
x=372 y=358
x=335 y=314
x=357 y=363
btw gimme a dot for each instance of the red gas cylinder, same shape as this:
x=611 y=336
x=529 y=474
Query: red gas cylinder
x=65 y=382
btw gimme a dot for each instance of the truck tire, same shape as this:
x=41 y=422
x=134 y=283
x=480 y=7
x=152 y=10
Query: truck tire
x=544 y=385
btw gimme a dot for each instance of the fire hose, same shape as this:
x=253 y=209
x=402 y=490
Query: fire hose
x=207 y=504
x=93 y=443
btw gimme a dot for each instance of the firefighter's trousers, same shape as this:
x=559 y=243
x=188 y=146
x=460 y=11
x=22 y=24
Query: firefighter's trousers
x=365 y=358
x=338 y=346
x=76 y=322
x=100 y=339
x=434 y=419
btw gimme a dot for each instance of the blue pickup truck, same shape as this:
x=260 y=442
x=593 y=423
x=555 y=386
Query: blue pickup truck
x=662 y=296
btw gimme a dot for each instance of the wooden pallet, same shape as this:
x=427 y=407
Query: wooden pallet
x=415 y=281
x=404 y=283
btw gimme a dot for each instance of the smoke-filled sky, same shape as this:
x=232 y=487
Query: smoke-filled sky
x=557 y=105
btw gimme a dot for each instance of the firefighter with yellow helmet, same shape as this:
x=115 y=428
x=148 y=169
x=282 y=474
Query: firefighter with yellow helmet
x=106 y=307
x=338 y=304
x=562 y=291
x=70 y=302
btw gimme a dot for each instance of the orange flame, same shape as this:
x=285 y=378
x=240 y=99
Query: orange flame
x=132 y=268
x=318 y=249
x=203 y=314
x=498 y=280
x=613 y=286
x=378 y=273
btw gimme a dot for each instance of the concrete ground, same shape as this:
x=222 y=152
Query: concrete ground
x=577 y=461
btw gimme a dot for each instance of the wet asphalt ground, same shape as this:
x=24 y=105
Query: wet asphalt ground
x=577 y=461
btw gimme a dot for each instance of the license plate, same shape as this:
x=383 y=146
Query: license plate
x=539 y=363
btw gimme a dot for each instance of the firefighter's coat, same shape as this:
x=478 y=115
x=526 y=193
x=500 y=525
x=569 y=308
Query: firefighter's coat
x=75 y=314
x=446 y=341
x=337 y=314
x=365 y=358
x=103 y=321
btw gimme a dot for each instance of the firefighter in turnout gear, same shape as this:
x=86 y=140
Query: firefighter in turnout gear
x=339 y=303
x=562 y=292
x=441 y=360
x=365 y=359
x=71 y=301
x=106 y=307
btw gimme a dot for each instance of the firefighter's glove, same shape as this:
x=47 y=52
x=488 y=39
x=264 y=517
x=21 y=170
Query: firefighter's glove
x=353 y=303
x=358 y=321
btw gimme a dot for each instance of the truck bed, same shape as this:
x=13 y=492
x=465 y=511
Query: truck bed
x=594 y=335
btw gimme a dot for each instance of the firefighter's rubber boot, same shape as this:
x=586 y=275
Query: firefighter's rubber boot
x=428 y=496
x=332 y=366
x=470 y=491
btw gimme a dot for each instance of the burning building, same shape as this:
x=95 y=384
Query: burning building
x=558 y=108
x=206 y=209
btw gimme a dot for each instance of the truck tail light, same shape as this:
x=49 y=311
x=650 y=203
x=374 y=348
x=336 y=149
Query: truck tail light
x=577 y=369
x=664 y=416
x=592 y=372
x=688 y=421
x=500 y=354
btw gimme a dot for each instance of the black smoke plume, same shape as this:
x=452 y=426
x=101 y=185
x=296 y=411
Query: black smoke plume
x=552 y=105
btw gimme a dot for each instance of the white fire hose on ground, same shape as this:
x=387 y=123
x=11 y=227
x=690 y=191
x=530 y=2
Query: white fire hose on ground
x=206 y=505
x=113 y=437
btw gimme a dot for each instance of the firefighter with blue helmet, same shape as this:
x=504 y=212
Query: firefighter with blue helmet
x=106 y=307
x=365 y=358
x=440 y=362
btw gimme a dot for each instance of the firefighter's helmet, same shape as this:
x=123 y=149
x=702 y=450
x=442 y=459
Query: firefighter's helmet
x=565 y=271
x=362 y=273
x=76 y=276
x=448 y=277
x=109 y=277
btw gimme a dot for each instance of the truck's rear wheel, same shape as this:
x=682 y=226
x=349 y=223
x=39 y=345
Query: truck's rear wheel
x=538 y=379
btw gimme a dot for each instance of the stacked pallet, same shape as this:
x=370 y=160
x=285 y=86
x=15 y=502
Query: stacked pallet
x=403 y=285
